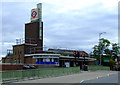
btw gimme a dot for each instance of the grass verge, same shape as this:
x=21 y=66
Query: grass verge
x=96 y=67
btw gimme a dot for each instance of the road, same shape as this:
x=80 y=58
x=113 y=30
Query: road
x=83 y=77
x=113 y=78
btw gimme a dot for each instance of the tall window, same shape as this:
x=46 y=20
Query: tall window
x=44 y=59
x=20 y=52
x=56 y=59
x=47 y=60
x=50 y=59
x=15 y=60
x=20 y=61
x=37 y=60
x=15 y=52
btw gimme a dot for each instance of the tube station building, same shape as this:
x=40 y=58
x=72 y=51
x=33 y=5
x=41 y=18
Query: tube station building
x=30 y=50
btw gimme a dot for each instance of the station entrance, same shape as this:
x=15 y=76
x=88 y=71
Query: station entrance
x=72 y=62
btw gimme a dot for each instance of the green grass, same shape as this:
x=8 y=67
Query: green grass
x=98 y=67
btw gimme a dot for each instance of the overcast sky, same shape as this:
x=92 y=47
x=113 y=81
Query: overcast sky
x=72 y=24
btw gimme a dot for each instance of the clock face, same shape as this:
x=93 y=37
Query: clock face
x=34 y=13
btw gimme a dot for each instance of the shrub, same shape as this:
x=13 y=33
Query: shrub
x=112 y=62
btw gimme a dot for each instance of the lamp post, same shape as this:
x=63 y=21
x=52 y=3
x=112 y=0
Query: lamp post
x=100 y=44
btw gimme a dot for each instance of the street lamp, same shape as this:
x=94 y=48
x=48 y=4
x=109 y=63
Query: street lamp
x=100 y=44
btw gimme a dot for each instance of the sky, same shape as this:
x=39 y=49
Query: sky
x=68 y=24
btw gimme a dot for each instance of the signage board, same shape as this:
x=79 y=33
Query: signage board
x=106 y=60
x=67 y=64
x=34 y=14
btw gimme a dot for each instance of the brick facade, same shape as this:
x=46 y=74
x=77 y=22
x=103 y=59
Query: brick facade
x=29 y=60
x=18 y=54
x=32 y=43
x=32 y=34
x=7 y=60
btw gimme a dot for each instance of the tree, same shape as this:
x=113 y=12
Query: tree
x=107 y=52
x=114 y=50
x=103 y=47
x=112 y=62
x=96 y=50
x=104 y=44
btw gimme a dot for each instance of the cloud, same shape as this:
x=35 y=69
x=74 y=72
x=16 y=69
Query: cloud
x=67 y=23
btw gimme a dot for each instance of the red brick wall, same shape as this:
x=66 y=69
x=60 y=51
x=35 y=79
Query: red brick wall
x=11 y=67
x=18 y=53
x=28 y=60
x=3 y=60
x=20 y=67
x=32 y=31
x=6 y=60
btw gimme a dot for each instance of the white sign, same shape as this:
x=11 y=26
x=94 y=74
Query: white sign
x=67 y=64
x=34 y=14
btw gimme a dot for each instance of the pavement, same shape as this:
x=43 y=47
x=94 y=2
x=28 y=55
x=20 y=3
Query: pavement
x=109 y=78
x=83 y=77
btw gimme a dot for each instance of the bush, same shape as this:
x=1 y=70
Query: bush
x=111 y=62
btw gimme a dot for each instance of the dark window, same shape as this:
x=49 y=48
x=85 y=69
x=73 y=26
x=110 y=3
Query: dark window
x=41 y=59
x=37 y=60
x=20 y=60
x=20 y=52
x=15 y=60
x=56 y=60
x=50 y=59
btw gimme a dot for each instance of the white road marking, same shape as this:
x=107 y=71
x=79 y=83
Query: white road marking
x=102 y=76
x=81 y=81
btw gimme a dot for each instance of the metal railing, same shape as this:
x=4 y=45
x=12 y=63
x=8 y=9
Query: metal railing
x=21 y=74
x=27 y=40
x=44 y=72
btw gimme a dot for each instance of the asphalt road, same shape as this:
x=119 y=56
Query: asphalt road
x=83 y=77
x=113 y=78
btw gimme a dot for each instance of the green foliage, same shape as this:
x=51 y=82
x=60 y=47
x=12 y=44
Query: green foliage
x=112 y=62
x=104 y=46
x=96 y=50
x=114 y=50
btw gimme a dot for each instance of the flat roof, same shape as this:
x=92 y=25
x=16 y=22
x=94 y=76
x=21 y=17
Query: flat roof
x=26 y=44
x=42 y=54
x=67 y=57
x=77 y=58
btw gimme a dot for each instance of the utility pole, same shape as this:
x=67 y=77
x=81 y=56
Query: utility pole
x=100 y=45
